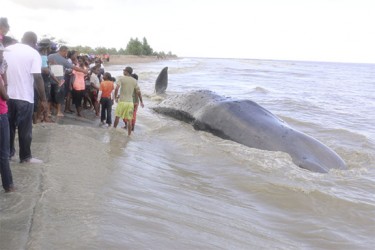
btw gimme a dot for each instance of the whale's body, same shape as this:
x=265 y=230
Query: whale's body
x=248 y=123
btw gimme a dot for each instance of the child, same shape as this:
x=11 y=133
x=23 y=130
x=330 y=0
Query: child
x=106 y=98
x=6 y=173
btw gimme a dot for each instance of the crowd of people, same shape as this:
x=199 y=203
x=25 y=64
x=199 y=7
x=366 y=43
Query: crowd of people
x=39 y=80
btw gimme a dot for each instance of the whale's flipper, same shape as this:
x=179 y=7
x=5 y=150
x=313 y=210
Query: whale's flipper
x=161 y=83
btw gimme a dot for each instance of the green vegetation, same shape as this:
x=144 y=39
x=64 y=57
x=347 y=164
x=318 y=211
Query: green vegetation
x=134 y=47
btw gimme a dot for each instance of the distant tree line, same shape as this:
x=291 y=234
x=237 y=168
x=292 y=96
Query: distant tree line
x=134 y=47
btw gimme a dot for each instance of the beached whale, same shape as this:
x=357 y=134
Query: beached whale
x=248 y=123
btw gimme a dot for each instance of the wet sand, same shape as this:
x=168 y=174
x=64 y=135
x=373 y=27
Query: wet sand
x=88 y=119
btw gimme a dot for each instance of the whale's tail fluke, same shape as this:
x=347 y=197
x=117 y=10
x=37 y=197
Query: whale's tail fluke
x=161 y=82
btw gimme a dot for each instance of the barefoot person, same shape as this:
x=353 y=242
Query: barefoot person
x=24 y=71
x=125 y=106
x=78 y=91
x=94 y=88
x=106 y=98
x=137 y=98
x=72 y=58
x=44 y=47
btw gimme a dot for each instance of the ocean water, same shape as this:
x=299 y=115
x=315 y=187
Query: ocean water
x=171 y=187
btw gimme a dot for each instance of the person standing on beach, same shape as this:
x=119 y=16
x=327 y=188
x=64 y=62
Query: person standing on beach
x=125 y=106
x=59 y=63
x=137 y=98
x=72 y=58
x=79 y=88
x=106 y=98
x=94 y=88
x=23 y=73
x=5 y=171
x=44 y=47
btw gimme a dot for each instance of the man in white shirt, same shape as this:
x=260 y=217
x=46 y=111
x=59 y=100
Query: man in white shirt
x=24 y=72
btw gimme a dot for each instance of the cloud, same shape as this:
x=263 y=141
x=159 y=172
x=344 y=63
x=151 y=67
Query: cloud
x=55 y=5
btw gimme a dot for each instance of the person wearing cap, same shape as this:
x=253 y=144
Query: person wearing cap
x=125 y=106
x=23 y=73
x=5 y=171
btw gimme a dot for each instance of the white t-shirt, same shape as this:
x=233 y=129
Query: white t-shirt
x=95 y=80
x=23 y=61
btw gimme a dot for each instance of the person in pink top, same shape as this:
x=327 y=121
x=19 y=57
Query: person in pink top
x=78 y=91
x=6 y=173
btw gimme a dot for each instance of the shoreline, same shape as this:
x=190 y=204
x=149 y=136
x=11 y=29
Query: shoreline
x=130 y=59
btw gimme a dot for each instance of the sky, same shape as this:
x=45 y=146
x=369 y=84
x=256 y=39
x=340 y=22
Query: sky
x=307 y=30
